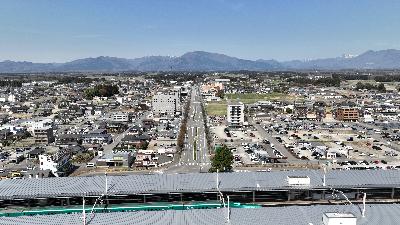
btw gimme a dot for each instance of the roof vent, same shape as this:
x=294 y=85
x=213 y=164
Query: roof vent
x=331 y=218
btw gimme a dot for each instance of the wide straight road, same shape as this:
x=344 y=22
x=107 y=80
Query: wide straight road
x=195 y=154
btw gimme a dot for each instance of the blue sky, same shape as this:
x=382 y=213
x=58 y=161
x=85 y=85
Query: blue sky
x=62 y=30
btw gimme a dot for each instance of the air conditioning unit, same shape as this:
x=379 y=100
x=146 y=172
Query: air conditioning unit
x=331 y=218
x=298 y=180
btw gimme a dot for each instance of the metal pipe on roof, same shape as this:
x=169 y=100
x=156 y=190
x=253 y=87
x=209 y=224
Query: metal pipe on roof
x=364 y=199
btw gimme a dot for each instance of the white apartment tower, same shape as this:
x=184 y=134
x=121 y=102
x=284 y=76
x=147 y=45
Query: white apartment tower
x=235 y=114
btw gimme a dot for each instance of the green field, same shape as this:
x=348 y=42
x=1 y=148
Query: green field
x=219 y=108
x=216 y=109
x=251 y=98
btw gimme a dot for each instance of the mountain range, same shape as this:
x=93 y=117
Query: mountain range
x=206 y=61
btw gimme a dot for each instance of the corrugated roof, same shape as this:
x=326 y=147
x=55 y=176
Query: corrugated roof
x=196 y=182
x=385 y=214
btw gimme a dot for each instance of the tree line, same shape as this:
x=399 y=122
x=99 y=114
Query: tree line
x=368 y=86
x=101 y=90
x=326 y=81
x=10 y=83
x=183 y=127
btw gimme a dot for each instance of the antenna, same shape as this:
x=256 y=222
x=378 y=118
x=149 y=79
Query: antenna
x=217 y=179
x=364 y=199
x=106 y=184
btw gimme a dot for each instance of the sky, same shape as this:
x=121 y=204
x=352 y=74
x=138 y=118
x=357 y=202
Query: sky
x=64 y=30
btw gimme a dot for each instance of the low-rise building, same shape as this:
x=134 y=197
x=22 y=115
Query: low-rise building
x=58 y=163
x=347 y=113
x=43 y=135
x=119 y=159
x=301 y=111
x=120 y=117
x=97 y=139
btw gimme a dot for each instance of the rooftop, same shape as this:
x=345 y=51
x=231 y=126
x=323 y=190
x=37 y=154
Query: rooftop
x=387 y=214
x=196 y=182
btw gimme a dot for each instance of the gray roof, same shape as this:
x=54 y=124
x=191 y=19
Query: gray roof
x=197 y=182
x=385 y=214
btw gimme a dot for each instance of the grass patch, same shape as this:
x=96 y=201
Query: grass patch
x=216 y=109
x=250 y=98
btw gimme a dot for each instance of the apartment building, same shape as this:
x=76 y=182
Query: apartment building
x=235 y=114
x=120 y=117
x=166 y=103
x=347 y=113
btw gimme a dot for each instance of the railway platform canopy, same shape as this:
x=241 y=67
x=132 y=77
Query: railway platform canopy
x=195 y=183
x=375 y=214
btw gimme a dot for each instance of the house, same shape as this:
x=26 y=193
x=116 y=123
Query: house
x=94 y=138
x=146 y=160
x=135 y=141
x=117 y=159
x=135 y=130
x=37 y=173
x=19 y=109
x=35 y=153
x=58 y=163
x=116 y=127
x=63 y=139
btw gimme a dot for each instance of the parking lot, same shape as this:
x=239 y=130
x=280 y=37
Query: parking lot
x=338 y=145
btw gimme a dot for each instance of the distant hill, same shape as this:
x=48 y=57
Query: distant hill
x=206 y=61
x=191 y=61
x=384 y=59
x=96 y=64
x=20 y=67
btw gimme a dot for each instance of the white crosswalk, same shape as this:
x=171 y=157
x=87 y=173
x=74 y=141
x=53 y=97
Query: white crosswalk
x=194 y=164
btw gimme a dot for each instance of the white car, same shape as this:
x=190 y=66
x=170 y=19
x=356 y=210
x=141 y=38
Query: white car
x=89 y=165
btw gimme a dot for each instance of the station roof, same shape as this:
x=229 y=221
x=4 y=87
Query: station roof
x=376 y=214
x=196 y=182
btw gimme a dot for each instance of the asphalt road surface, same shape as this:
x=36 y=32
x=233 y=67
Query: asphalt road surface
x=195 y=156
x=279 y=146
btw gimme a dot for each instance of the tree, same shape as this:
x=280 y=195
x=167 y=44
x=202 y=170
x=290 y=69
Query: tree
x=359 y=86
x=220 y=93
x=222 y=160
x=381 y=87
x=289 y=111
x=101 y=91
x=326 y=81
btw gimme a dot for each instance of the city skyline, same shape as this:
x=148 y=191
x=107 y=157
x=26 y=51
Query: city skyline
x=45 y=31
